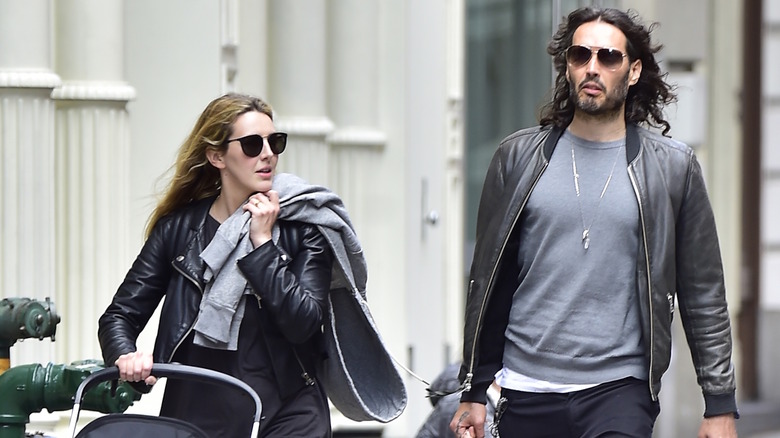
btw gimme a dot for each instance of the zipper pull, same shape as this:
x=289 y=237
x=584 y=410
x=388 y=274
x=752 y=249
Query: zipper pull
x=259 y=305
x=467 y=382
x=307 y=378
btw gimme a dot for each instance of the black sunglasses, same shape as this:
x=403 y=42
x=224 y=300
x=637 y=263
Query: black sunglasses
x=253 y=144
x=578 y=56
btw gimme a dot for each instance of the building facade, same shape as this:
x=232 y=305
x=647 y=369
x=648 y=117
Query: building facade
x=394 y=104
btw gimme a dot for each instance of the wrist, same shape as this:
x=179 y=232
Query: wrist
x=258 y=241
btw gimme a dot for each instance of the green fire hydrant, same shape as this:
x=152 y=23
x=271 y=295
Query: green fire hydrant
x=22 y=318
x=25 y=389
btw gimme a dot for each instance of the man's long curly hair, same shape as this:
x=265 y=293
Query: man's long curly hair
x=645 y=99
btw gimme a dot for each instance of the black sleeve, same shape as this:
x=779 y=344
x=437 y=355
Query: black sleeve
x=292 y=287
x=137 y=297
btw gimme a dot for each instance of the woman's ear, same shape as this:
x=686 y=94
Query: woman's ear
x=215 y=158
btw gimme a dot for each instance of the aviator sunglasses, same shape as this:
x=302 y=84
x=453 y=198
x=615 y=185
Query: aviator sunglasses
x=252 y=145
x=578 y=56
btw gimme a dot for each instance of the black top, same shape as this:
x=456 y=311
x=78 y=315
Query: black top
x=223 y=411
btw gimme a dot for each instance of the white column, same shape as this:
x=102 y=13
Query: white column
x=769 y=269
x=229 y=38
x=297 y=84
x=353 y=45
x=454 y=186
x=252 y=55
x=92 y=139
x=27 y=201
x=356 y=142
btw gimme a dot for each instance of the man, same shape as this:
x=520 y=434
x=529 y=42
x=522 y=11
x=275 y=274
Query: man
x=589 y=227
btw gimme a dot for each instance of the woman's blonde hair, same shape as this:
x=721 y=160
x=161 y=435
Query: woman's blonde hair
x=194 y=177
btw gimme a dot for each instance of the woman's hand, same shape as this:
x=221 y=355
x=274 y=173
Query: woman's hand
x=265 y=209
x=136 y=366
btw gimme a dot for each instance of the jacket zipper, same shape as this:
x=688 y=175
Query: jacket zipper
x=305 y=374
x=470 y=374
x=649 y=282
x=200 y=288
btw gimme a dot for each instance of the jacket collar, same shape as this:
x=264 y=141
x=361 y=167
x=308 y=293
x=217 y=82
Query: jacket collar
x=632 y=142
x=552 y=141
x=189 y=261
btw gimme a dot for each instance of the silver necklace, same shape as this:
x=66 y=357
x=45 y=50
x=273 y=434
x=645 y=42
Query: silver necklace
x=586 y=229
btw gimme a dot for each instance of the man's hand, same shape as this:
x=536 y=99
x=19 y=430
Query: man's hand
x=469 y=420
x=719 y=426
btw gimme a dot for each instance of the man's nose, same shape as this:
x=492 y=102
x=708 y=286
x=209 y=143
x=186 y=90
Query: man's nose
x=592 y=67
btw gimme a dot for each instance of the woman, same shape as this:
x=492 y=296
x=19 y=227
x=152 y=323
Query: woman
x=245 y=291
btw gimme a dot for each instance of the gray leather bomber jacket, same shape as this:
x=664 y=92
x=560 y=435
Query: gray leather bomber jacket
x=679 y=256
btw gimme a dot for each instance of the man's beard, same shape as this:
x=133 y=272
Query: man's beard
x=612 y=106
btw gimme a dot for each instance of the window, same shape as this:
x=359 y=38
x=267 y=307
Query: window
x=508 y=77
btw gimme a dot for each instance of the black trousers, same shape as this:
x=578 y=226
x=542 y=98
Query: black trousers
x=223 y=412
x=305 y=415
x=622 y=408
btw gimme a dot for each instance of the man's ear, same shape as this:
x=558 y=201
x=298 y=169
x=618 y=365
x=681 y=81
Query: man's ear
x=215 y=158
x=635 y=72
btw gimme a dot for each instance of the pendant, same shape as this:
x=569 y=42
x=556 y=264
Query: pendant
x=585 y=238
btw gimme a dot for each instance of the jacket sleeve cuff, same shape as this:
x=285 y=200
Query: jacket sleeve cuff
x=140 y=387
x=719 y=404
x=478 y=393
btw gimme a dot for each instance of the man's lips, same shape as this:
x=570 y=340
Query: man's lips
x=591 y=88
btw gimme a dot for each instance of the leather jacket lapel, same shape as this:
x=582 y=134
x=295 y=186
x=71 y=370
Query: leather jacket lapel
x=189 y=262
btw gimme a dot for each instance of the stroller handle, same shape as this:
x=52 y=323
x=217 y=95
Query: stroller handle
x=176 y=371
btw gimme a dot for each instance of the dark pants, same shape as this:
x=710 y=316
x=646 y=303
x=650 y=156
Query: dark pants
x=305 y=415
x=622 y=408
x=223 y=412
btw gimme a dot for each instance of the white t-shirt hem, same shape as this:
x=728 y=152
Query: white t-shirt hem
x=515 y=381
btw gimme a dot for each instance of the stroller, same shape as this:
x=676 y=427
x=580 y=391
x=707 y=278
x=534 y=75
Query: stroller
x=133 y=425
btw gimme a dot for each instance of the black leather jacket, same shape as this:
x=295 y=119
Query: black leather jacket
x=678 y=256
x=292 y=279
